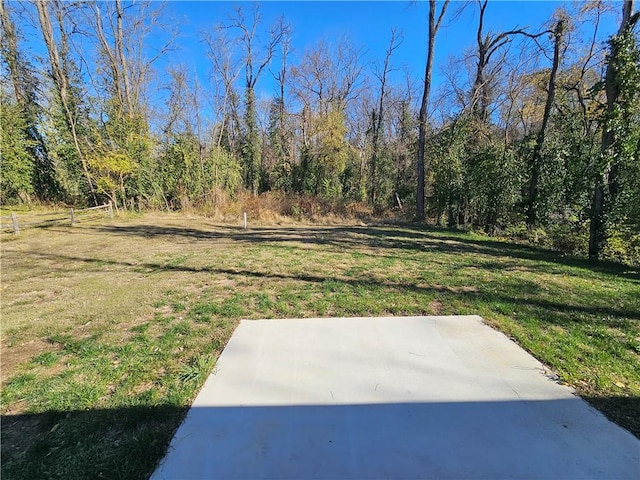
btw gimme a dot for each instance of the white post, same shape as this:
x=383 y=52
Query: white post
x=245 y=220
x=14 y=220
x=399 y=202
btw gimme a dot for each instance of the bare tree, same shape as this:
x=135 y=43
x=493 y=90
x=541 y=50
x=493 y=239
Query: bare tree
x=328 y=76
x=281 y=75
x=540 y=137
x=253 y=67
x=122 y=46
x=517 y=84
x=379 y=115
x=9 y=47
x=59 y=73
x=434 y=26
x=280 y=132
x=226 y=69
x=488 y=44
x=179 y=106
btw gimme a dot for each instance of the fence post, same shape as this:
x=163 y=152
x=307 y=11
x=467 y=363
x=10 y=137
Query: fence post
x=245 y=220
x=14 y=219
x=73 y=218
x=399 y=202
x=110 y=210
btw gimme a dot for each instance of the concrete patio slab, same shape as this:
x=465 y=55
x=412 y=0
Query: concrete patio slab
x=370 y=398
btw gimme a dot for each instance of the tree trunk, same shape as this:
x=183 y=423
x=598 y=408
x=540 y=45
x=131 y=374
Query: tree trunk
x=537 y=149
x=123 y=60
x=10 y=52
x=422 y=119
x=479 y=96
x=607 y=187
x=113 y=63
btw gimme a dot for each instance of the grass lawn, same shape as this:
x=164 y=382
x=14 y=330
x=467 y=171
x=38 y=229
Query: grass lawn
x=109 y=329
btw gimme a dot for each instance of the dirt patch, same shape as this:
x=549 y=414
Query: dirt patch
x=143 y=387
x=436 y=306
x=165 y=310
x=448 y=288
x=463 y=289
x=15 y=355
x=520 y=268
x=455 y=289
x=28 y=298
x=16 y=408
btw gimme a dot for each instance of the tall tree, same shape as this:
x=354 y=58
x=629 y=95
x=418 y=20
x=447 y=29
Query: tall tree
x=121 y=31
x=39 y=167
x=434 y=26
x=253 y=68
x=325 y=82
x=66 y=92
x=540 y=137
x=379 y=115
x=16 y=162
x=226 y=69
x=10 y=54
x=404 y=143
x=280 y=133
x=281 y=75
x=621 y=84
x=487 y=46
x=328 y=76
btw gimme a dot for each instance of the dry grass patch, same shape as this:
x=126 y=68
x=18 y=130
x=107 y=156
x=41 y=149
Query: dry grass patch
x=19 y=354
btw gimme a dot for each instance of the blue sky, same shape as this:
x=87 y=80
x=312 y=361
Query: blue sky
x=366 y=23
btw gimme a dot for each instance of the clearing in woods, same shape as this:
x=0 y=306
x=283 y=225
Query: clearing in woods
x=109 y=329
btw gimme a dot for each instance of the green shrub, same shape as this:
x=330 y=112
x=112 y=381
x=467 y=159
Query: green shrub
x=569 y=238
x=623 y=245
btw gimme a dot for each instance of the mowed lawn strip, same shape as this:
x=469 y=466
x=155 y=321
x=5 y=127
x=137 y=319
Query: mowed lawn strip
x=110 y=329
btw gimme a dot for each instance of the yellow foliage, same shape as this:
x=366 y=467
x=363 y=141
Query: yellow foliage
x=113 y=163
x=331 y=147
x=105 y=185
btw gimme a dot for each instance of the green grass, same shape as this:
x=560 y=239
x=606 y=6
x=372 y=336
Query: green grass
x=110 y=330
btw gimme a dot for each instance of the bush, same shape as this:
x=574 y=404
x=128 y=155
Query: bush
x=623 y=245
x=517 y=231
x=569 y=239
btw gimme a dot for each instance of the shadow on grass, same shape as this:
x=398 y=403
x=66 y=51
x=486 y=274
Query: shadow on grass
x=110 y=443
x=493 y=439
x=516 y=292
x=621 y=410
x=408 y=238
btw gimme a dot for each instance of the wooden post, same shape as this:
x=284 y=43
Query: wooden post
x=245 y=220
x=110 y=210
x=14 y=219
x=73 y=218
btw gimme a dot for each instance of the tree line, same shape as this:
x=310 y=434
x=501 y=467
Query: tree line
x=534 y=133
